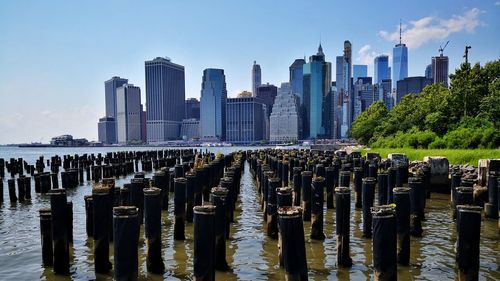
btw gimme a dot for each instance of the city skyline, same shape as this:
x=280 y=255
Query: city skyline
x=60 y=46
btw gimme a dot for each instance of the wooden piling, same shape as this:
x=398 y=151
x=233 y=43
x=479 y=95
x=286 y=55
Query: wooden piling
x=384 y=243
x=204 y=243
x=219 y=200
x=46 y=236
x=402 y=201
x=60 y=242
x=342 y=225
x=368 y=195
x=126 y=240
x=152 y=229
x=318 y=187
x=293 y=244
x=468 y=240
x=306 y=195
x=101 y=203
x=179 y=208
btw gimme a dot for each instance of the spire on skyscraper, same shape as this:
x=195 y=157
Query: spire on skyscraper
x=320 y=50
x=400 y=31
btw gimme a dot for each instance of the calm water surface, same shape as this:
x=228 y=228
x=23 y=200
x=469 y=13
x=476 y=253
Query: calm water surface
x=250 y=253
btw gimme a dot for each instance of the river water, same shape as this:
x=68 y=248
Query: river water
x=250 y=253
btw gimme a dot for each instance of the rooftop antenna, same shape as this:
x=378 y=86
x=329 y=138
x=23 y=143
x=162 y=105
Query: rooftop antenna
x=466 y=56
x=400 y=31
x=441 y=49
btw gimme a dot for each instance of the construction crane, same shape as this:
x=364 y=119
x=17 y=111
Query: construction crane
x=441 y=49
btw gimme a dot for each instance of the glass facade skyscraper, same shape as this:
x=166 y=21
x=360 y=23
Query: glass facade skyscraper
x=317 y=82
x=440 y=70
x=213 y=104
x=399 y=63
x=245 y=120
x=128 y=106
x=381 y=69
x=165 y=98
x=297 y=78
x=110 y=87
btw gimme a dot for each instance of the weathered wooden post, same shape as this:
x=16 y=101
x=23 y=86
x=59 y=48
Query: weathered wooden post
x=293 y=244
x=330 y=187
x=160 y=179
x=391 y=183
x=101 y=203
x=402 y=201
x=468 y=238
x=152 y=229
x=272 y=211
x=382 y=188
x=345 y=178
x=358 y=187
x=89 y=215
x=491 y=208
x=342 y=225
x=11 y=183
x=179 y=208
x=384 y=243
x=126 y=240
x=204 y=243
x=190 y=195
x=368 y=194
x=416 y=206
x=297 y=186
x=60 y=242
x=318 y=187
x=306 y=195
x=46 y=236
x=219 y=196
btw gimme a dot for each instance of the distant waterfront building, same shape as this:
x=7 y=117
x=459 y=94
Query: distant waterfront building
x=428 y=71
x=317 y=81
x=128 y=106
x=411 y=85
x=399 y=61
x=359 y=70
x=440 y=70
x=107 y=130
x=244 y=120
x=213 y=104
x=381 y=69
x=256 y=77
x=284 y=120
x=297 y=78
x=190 y=129
x=68 y=140
x=165 y=99
x=192 y=108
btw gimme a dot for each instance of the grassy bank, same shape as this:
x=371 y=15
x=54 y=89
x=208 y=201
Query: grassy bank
x=455 y=156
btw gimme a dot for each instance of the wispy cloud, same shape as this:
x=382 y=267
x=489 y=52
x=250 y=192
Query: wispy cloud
x=366 y=55
x=497 y=3
x=421 y=31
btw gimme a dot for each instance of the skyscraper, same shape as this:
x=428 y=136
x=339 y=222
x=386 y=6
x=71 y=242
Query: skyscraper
x=284 y=120
x=345 y=88
x=363 y=92
x=192 y=108
x=213 y=104
x=359 y=70
x=317 y=82
x=383 y=92
x=399 y=61
x=297 y=78
x=128 y=106
x=110 y=87
x=381 y=68
x=256 y=78
x=440 y=70
x=244 y=120
x=107 y=130
x=165 y=97
x=266 y=94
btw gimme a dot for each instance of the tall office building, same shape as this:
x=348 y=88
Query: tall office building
x=359 y=70
x=428 y=71
x=363 y=93
x=128 y=106
x=411 y=85
x=440 y=70
x=107 y=130
x=165 y=98
x=244 y=120
x=383 y=92
x=284 y=120
x=344 y=87
x=317 y=82
x=192 y=108
x=190 y=129
x=256 y=77
x=110 y=87
x=399 y=61
x=297 y=78
x=144 y=133
x=213 y=104
x=381 y=69
x=266 y=94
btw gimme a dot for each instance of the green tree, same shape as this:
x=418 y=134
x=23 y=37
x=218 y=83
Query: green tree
x=364 y=126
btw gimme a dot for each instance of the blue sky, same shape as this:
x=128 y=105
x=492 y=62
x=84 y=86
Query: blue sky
x=56 y=55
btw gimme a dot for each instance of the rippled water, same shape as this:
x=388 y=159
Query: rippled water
x=250 y=253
